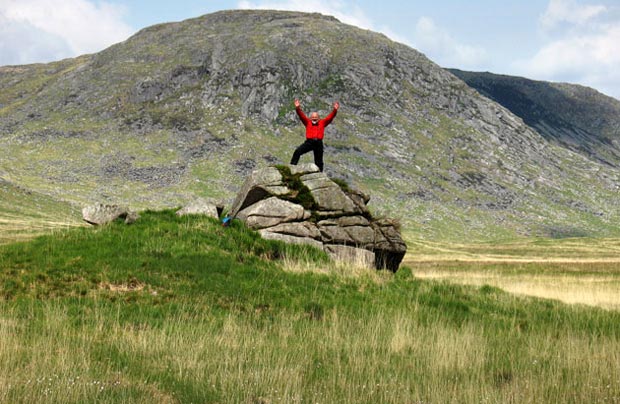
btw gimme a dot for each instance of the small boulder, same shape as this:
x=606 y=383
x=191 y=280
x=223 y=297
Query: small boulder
x=100 y=214
x=131 y=217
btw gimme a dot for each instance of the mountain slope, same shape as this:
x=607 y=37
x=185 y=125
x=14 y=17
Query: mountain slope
x=189 y=108
x=576 y=117
x=24 y=214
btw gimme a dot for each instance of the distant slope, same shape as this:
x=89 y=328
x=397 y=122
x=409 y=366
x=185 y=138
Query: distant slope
x=24 y=214
x=577 y=117
x=188 y=109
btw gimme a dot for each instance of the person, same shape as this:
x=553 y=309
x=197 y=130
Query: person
x=315 y=130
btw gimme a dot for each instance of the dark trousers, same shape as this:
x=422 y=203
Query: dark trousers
x=313 y=145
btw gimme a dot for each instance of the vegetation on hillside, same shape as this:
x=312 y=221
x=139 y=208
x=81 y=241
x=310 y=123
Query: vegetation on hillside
x=188 y=109
x=180 y=309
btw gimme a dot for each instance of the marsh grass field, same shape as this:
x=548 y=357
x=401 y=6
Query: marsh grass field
x=182 y=310
x=575 y=270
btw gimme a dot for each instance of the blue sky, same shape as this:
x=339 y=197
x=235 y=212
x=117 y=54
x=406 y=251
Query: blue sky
x=576 y=41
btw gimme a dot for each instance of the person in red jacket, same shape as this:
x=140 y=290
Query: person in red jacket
x=315 y=130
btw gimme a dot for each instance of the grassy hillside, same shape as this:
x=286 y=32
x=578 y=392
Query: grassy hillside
x=24 y=214
x=179 y=310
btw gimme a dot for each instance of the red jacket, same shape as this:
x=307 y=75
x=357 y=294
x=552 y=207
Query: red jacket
x=315 y=131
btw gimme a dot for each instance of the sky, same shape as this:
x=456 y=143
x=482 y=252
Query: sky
x=574 y=41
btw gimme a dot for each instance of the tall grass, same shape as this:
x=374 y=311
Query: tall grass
x=574 y=281
x=386 y=356
x=579 y=250
x=181 y=310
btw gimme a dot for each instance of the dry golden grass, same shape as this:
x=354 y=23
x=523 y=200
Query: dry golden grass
x=572 y=271
x=17 y=228
x=527 y=250
x=575 y=271
x=599 y=291
x=58 y=365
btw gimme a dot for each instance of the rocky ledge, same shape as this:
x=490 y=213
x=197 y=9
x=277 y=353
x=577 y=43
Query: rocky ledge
x=300 y=204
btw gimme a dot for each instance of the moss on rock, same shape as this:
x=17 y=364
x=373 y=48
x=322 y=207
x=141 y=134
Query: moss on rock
x=300 y=194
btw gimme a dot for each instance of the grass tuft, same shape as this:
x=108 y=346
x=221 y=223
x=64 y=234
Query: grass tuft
x=301 y=194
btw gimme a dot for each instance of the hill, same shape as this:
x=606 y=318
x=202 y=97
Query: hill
x=24 y=213
x=576 y=117
x=187 y=109
x=180 y=309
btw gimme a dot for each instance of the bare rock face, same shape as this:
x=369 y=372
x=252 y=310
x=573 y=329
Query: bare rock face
x=328 y=195
x=100 y=214
x=271 y=212
x=389 y=246
x=259 y=185
x=287 y=238
x=299 y=204
x=305 y=229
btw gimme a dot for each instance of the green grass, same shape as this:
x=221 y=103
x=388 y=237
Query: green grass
x=180 y=310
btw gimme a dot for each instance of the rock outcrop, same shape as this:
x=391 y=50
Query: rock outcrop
x=100 y=214
x=300 y=204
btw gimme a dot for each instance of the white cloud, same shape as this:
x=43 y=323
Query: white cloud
x=22 y=43
x=580 y=53
x=44 y=30
x=568 y=11
x=587 y=54
x=441 y=47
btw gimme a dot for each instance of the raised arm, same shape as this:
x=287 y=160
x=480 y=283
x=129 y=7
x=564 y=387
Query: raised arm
x=304 y=119
x=329 y=118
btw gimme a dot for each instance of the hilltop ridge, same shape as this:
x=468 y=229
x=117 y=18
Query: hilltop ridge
x=573 y=116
